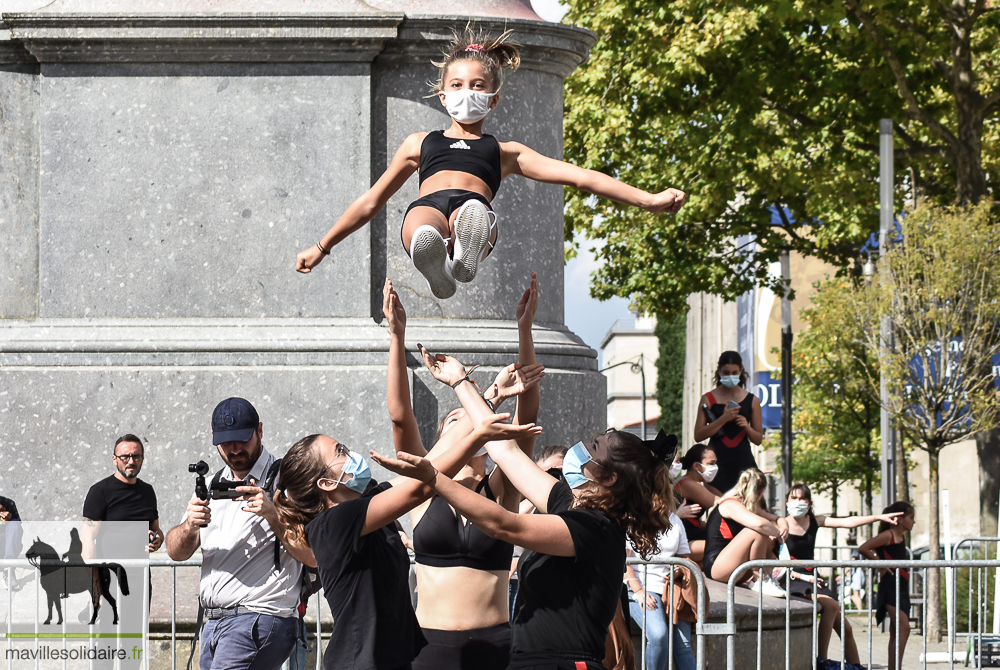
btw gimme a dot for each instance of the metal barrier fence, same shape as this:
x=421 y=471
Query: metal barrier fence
x=870 y=566
x=977 y=605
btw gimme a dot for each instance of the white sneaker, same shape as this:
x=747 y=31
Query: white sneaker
x=472 y=234
x=769 y=588
x=430 y=256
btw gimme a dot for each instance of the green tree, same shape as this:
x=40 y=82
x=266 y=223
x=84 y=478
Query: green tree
x=671 y=335
x=939 y=285
x=759 y=108
x=836 y=421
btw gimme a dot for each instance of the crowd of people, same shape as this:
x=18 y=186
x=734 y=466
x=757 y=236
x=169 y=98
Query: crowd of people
x=520 y=555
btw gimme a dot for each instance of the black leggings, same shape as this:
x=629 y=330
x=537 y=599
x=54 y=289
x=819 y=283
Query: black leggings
x=476 y=649
x=446 y=202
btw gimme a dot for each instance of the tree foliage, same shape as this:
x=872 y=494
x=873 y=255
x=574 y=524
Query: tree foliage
x=671 y=336
x=836 y=420
x=758 y=108
x=939 y=288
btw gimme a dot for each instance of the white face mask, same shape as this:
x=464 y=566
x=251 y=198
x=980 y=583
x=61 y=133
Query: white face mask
x=708 y=472
x=675 y=469
x=466 y=105
x=797 y=507
x=729 y=381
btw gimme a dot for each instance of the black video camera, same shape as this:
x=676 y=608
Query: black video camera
x=221 y=490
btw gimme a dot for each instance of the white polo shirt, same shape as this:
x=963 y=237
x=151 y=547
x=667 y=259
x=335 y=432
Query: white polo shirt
x=238 y=557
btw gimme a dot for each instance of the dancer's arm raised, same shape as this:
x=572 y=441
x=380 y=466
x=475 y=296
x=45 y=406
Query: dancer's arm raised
x=522 y=472
x=407 y=493
x=544 y=533
x=522 y=160
x=361 y=211
x=405 y=432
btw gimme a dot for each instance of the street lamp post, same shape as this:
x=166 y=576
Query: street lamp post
x=886 y=215
x=637 y=367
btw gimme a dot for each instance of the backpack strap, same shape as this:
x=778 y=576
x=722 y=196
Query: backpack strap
x=270 y=485
x=197 y=630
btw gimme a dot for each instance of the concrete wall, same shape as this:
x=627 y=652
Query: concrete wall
x=162 y=176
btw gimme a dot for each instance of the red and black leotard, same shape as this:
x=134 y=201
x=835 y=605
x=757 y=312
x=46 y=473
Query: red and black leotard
x=719 y=532
x=731 y=445
x=887 y=584
x=693 y=527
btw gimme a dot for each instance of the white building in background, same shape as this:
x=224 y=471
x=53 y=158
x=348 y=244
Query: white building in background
x=631 y=341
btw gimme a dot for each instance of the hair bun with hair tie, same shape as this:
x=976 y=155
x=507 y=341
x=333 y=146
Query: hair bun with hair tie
x=476 y=47
x=663 y=445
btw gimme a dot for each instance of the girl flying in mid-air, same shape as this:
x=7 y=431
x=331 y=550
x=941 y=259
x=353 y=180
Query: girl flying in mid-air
x=447 y=230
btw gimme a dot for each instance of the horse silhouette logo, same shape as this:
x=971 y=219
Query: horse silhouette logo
x=67 y=574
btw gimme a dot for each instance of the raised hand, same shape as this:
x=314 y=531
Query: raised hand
x=444 y=368
x=493 y=429
x=307 y=259
x=528 y=304
x=395 y=315
x=407 y=465
x=514 y=380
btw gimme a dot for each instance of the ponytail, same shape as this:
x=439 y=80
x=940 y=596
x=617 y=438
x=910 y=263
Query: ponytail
x=299 y=500
x=495 y=54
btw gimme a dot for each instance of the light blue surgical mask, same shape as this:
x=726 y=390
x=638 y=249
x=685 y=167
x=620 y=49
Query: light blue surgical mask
x=573 y=465
x=730 y=381
x=357 y=467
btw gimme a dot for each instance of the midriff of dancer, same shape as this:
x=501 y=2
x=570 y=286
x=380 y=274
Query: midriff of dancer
x=451 y=228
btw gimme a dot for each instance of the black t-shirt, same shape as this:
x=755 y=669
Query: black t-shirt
x=366 y=581
x=565 y=604
x=112 y=499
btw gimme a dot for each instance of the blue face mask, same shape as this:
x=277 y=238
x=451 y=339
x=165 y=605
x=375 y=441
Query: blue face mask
x=573 y=465
x=356 y=466
x=729 y=381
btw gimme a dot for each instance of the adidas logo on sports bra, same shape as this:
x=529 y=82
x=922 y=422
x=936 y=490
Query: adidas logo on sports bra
x=460 y=145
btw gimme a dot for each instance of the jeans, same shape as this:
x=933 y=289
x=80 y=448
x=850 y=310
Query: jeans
x=511 y=596
x=297 y=661
x=247 y=642
x=657 y=647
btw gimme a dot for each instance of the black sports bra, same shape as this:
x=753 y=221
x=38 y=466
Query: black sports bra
x=480 y=158
x=440 y=539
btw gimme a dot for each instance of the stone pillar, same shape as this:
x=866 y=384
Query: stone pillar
x=167 y=162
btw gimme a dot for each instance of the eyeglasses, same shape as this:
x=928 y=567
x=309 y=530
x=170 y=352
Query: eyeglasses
x=128 y=457
x=342 y=450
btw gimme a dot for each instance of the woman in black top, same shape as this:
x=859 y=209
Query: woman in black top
x=570 y=574
x=739 y=529
x=336 y=519
x=695 y=488
x=462 y=573
x=801 y=542
x=737 y=421
x=890 y=545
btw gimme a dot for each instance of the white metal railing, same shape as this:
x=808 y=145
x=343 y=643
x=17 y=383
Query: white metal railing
x=977 y=605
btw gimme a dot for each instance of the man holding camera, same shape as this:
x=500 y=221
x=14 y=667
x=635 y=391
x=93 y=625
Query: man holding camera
x=249 y=584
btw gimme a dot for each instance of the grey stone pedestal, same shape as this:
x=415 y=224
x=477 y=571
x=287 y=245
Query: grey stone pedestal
x=164 y=162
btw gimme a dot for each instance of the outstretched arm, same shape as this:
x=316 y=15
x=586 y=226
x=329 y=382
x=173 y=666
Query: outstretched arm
x=405 y=432
x=407 y=493
x=519 y=469
x=544 y=533
x=364 y=209
x=855 y=521
x=519 y=159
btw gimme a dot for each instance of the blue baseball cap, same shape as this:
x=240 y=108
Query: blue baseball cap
x=234 y=420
